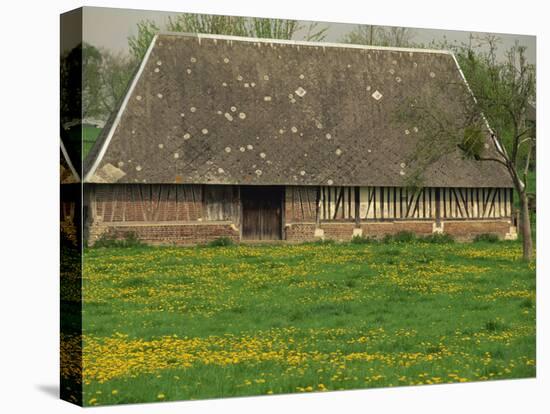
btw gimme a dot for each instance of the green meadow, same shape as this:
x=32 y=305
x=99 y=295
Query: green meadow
x=171 y=323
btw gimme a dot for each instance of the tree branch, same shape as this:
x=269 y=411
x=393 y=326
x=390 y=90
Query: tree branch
x=479 y=158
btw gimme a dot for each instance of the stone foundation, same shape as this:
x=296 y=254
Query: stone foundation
x=468 y=230
x=381 y=229
x=460 y=230
x=166 y=233
x=191 y=233
x=69 y=230
x=300 y=232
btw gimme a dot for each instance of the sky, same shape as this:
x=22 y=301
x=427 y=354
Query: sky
x=110 y=28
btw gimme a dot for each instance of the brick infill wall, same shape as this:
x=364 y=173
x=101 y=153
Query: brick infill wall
x=166 y=233
x=191 y=233
x=460 y=230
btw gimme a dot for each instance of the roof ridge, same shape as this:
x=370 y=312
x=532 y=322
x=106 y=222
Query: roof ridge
x=302 y=42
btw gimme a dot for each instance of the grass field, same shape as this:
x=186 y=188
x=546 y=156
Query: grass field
x=166 y=323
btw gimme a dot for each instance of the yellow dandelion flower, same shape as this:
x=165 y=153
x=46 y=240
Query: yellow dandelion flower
x=161 y=396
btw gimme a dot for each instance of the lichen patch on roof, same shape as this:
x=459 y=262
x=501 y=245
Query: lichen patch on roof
x=323 y=112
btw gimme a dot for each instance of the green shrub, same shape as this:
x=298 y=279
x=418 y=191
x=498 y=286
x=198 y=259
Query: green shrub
x=527 y=303
x=494 y=325
x=131 y=240
x=108 y=239
x=322 y=242
x=221 y=242
x=434 y=349
x=400 y=237
x=362 y=240
x=67 y=240
x=487 y=238
x=438 y=238
x=133 y=282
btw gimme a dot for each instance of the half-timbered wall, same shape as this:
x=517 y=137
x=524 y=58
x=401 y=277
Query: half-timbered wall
x=163 y=203
x=397 y=203
x=337 y=203
x=177 y=202
x=300 y=204
x=377 y=203
x=464 y=203
x=146 y=202
x=381 y=203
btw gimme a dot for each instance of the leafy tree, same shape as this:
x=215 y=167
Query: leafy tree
x=79 y=94
x=115 y=74
x=498 y=94
x=80 y=82
x=138 y=44
x=91 y=81
x=504 y=92
x=285 y=29
x=225 y=25
x=71 y=84
x=208 y=23
x=380 y=36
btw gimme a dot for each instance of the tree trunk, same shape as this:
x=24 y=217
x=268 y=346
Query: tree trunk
x=526 y=227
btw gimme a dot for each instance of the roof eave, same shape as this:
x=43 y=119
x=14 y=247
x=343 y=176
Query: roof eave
x=108 y=136
x=69 y=162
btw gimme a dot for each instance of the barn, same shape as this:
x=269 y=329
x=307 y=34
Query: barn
x=262 y=140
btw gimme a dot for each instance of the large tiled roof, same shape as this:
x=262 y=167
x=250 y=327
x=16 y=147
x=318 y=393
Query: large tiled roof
x=221 y=110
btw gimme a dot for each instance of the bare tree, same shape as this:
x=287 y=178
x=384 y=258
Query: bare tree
x=380 y=36
x=315 y=32
x=486 y=121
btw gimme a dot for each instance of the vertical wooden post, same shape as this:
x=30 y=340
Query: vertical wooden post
x=318 y=208
x=240 y=201
x=357 y=208
x=283 y=213
x=438 y=207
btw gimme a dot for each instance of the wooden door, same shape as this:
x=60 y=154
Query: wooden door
x=262 y=212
